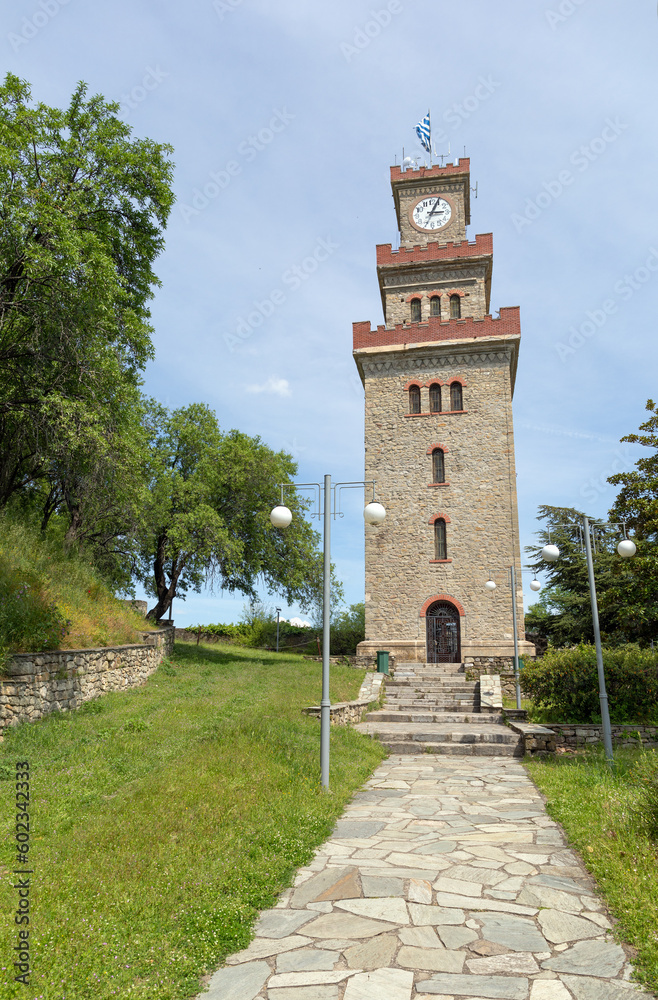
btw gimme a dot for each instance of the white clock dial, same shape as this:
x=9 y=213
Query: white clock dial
x=431 y=213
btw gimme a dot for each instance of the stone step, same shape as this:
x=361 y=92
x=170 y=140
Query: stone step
x=453 y=750
x=473 y=739
x=436 y=700
x=435 y=688
x=385 y=715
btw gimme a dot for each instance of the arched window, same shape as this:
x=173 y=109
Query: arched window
x=435 y=398
x=456 y=397
x=415 y=310
x=414 y=399
x=438 y=466
x=440 y=547
x=455 y=307
x=435 y=306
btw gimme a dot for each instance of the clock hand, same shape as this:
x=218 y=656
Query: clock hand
x=436 y=205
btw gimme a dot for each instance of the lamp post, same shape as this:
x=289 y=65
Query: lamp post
x=281 y=516
x=491 y=585
x=278 y=612
x=626 y=549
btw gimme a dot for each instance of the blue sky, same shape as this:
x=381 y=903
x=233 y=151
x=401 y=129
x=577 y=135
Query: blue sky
x=285 y=118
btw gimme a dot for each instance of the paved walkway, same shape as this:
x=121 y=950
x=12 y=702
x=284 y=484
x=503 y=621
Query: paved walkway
x=444 y=878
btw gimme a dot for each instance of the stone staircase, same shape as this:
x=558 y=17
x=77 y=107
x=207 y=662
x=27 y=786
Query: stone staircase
x=432 y=708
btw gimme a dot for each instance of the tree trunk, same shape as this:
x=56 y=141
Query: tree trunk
x=165 y=591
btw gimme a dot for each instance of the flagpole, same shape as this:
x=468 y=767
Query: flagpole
x=429 y=118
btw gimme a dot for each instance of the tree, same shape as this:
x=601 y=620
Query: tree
x=207 y=516
x=563 y=614
x=348 y=630
x=84 y=208
x=637 y=507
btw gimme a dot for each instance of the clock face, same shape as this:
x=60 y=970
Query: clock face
x=432 y=212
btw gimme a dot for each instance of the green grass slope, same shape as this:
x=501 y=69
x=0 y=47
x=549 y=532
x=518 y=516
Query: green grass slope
x=53 y=600
x=166 y=816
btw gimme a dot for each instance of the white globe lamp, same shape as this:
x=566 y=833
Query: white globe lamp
x=550 y=553
x=281 y=516
x=490 y=585
x=535 y=585
x=374 y=513
x=626 y=548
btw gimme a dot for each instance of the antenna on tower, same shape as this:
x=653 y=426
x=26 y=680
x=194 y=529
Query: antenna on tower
x=475 y=189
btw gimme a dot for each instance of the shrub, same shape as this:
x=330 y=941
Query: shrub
x=348 y=630
x=51 y=598
x=28 y=620
x=566 y=681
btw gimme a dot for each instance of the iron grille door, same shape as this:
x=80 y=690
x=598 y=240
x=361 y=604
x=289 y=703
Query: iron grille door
x=442 y=622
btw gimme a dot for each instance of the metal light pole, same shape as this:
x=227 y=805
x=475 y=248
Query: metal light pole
x=325 y=704
x=278 y=612
x=490 y=585
x=516 y=639
x=603 y=697
x=626 y=549
x=281 y=517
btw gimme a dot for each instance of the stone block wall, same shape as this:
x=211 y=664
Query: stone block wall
x=577 y=736
x=478 y=499
x=36 y=684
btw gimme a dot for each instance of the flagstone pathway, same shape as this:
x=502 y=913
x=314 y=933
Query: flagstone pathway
x=444 y=878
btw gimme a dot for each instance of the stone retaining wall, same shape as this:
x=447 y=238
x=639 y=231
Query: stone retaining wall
x=187 y=635
x=624 y=736
x=343 y=713
x=537 y=740
x=36 y=684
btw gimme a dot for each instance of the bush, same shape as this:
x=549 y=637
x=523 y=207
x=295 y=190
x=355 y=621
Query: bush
x=348 y=630
x=28 y=620
x=54 y=599
x=566 y=681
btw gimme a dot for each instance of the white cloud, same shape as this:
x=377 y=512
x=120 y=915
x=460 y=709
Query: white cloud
x=273 y=386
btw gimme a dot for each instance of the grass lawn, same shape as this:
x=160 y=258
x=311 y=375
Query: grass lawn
x=163 y=818
x=602 y=814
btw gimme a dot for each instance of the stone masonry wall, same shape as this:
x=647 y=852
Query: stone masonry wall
x=425 y=282
x=37 y=684
x=478 y=499
x=583 y=735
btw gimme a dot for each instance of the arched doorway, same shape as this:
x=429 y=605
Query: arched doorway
x=443 y=633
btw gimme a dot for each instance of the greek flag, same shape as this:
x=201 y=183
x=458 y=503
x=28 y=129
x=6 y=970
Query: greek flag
x=424 y=133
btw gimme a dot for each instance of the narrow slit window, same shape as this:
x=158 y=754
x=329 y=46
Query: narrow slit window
x=415 y=310
x=455 y=307
x=438 y=466
x=435 y=306
x=414 y=399
x=456 y=397
x=435 y=398
x=440 y=547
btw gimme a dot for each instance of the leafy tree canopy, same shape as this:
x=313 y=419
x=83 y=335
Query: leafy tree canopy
x=207 y=514
x=563 y=614
x=84 y=208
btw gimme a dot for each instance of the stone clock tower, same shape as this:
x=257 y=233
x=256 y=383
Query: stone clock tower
x=439 y=379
